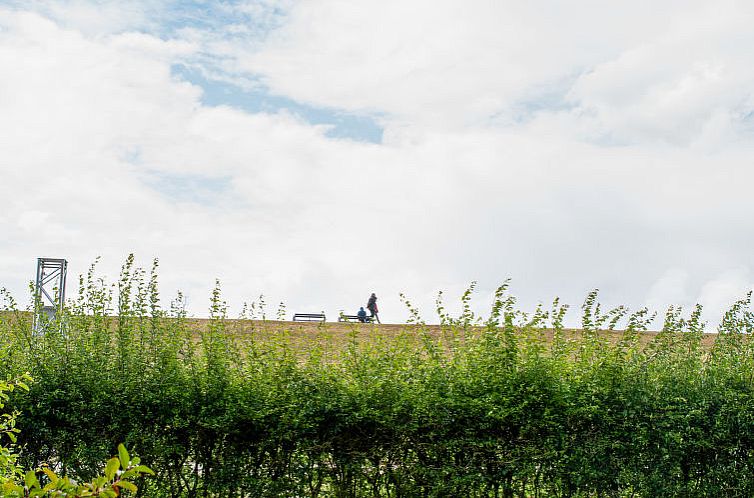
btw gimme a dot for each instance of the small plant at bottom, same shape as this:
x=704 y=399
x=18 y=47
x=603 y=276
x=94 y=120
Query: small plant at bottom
x=119 y=472
x=118 y=477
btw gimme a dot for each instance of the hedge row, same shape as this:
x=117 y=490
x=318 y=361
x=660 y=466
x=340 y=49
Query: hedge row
x=501 y=410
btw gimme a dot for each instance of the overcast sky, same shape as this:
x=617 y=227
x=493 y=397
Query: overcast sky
x=317 y=151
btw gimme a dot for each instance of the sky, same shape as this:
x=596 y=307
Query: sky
x=316 y=151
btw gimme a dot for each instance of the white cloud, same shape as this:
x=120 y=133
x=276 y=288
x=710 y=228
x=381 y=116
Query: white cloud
x=101 y=17
x=718 y=294
x=689 y=84
x=679 y=72
x=478 y=177
x=669 y=289
x=444 y=61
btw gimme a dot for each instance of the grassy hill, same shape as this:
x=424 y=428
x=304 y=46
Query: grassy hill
x=336 y=336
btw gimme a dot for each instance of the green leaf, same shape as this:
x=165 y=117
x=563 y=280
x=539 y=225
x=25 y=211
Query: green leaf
x=128 y=485
x=144 y=470
x=50 y=474
x=111 y=468
x=123 y=455
x=30 y=479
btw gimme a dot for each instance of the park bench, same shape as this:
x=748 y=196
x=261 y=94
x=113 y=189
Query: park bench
x=352 y=318
x=309 y=317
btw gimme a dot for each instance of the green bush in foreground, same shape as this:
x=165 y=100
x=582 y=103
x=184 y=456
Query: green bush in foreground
x=512 y=405
x=15 y=483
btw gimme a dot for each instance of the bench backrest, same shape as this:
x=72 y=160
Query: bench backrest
x=309 y=316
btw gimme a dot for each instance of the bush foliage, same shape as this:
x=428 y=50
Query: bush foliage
x=507 y=406
x=117 y=477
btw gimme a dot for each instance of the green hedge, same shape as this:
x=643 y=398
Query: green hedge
x=494 y=410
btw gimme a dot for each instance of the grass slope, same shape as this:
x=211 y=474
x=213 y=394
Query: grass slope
x=336 y=336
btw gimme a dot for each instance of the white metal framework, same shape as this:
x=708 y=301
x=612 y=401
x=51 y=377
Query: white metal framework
x=49 y=291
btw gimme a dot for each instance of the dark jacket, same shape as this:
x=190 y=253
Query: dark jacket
x=372 y=304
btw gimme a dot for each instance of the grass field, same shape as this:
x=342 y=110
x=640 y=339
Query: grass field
x=333 y=337
x=336 y=336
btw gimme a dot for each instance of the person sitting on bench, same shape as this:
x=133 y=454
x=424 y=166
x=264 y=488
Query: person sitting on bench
x=362 y=315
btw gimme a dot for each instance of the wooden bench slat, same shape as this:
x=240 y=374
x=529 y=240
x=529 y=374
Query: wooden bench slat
x=308 y=317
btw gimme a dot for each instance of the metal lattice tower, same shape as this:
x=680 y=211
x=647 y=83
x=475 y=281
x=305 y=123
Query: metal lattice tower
x=49 y=290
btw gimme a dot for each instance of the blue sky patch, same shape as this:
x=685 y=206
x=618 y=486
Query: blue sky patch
x=198 y=189
x=344 y=125
x=258 y=17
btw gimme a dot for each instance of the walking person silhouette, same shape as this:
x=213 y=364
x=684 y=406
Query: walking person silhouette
x=372 y=307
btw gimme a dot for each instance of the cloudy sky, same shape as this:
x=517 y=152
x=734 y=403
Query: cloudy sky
x=316 y=151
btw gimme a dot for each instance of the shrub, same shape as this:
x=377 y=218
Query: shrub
x=15 y=483
x=515 y=405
